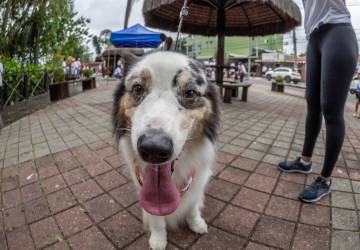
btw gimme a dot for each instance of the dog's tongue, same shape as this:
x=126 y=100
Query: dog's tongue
x=159 y=195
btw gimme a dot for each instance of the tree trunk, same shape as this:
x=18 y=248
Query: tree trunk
x=221 y=45
x=6 y=17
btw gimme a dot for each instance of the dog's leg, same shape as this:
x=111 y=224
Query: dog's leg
x=196 y=223
x=157 y=226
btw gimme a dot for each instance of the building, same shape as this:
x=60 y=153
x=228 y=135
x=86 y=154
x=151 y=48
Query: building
x=201 y=47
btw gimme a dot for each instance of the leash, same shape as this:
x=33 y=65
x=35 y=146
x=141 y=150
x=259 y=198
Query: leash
x=183 y=13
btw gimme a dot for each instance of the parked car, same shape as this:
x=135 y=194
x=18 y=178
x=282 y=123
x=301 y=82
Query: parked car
x=287 y=73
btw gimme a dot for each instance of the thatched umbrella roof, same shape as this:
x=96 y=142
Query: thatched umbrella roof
x=223 y=18
x=242 y=17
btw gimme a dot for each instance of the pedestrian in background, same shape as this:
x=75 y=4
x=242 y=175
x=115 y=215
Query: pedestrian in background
x=357 y=96
x=78 y=67
x=73 y=68
x=264 y=70
x=331 y=62
x=117 y=73
x=64 y=67
x=242 y=71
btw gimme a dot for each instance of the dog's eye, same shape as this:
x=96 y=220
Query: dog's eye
x=190 y=94
x=138 y=90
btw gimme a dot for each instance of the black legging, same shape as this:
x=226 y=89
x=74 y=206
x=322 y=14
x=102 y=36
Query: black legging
x=331 y=61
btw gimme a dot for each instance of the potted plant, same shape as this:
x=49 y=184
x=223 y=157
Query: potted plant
x=88 y=82
x=278 y=84
x=59 y=88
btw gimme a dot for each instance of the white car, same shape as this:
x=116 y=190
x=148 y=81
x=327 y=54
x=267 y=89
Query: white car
x=287 y=73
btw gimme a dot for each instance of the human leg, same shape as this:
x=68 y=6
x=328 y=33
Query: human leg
x=313 y=117
x=339 y=55
x=339 y=60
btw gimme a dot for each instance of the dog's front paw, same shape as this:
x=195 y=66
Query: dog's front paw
x=198 y=226
x=157 y=243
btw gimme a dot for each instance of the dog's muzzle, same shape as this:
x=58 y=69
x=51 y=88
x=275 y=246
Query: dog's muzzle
x=158 y=195
x=155 y=146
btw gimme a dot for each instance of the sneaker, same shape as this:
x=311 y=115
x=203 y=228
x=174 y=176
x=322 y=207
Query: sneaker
x=355 y=115
x=318 y=189
x=295 y=166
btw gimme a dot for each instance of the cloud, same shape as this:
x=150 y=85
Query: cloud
x=108 y=14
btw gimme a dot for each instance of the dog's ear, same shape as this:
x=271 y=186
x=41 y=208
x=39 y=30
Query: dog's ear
x=196 y=65
x=130 y=59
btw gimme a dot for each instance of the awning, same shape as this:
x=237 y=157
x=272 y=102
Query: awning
x=136 y=36
x=237 y=56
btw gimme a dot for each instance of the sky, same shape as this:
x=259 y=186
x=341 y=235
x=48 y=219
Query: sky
x=109 y=14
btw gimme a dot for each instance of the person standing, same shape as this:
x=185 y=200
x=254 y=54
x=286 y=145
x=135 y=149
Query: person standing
x=64 y=67
x=78 y=67
x=242 y=71
x=117 y=73
x=357 y=96
x=73 y=68
x=332 y=54
x=264 y=70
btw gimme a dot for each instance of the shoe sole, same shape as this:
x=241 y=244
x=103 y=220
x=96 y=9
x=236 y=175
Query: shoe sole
x=296 y=171
x=316 y=199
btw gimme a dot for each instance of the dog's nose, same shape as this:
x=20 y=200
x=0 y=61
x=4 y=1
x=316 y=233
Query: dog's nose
x=155 y=146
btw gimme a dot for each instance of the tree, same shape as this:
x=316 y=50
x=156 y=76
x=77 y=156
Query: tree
x=97 y=44
x=33 y=31
x=105 y=37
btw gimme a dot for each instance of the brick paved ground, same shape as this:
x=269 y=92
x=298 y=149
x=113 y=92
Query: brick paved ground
x=63 y=185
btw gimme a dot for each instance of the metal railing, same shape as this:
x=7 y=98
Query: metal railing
x=21 y=92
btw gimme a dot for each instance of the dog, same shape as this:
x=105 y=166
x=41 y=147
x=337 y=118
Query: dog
x=165 y=120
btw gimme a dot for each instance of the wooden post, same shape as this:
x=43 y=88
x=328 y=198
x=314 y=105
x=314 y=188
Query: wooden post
x=221 y=45
x=25 y=89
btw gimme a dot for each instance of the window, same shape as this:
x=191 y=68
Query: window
x=208 y=44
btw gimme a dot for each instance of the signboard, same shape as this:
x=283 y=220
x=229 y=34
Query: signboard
x=273 y=57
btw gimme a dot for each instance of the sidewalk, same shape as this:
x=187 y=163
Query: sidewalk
x=63 y=185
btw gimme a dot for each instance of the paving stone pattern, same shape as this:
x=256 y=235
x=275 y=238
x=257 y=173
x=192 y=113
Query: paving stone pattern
x=63 y=185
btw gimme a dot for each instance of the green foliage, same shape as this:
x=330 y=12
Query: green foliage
x=279 y=80
x=58 y=75
x=97 y=44
x=10 y=64
x=33 y=31
x=206 y=46
x=56 y=61
x=24 y=79
x=87 y=73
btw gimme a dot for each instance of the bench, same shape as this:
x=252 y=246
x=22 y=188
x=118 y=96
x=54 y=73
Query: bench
x=233 y=88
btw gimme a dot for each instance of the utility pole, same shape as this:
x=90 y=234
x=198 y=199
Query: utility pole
x=249 y=59
x=295 y=50
x=256 y=47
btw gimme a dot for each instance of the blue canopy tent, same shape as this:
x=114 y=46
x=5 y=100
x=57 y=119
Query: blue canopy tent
x=136 y=36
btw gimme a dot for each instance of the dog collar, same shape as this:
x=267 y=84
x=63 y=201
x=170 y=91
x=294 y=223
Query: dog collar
x=181 y=191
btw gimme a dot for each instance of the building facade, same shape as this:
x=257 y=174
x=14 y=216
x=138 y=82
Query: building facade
x=203 y=48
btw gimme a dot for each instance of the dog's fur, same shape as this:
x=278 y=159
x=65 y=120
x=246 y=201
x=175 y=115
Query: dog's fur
x=192 y=124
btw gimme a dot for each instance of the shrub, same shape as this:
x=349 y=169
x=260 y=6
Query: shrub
x=58 y=75
x=87 y=73
x=15 y=75
x=55 y=62
x=279 y=80
x=11 y=65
